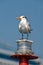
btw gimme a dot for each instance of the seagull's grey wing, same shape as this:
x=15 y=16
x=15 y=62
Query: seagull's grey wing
x=29 y=27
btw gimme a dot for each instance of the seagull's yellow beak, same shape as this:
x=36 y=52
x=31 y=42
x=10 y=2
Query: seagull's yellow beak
x=18 y=18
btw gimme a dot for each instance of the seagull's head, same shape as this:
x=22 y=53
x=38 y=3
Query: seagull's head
x=21 y=18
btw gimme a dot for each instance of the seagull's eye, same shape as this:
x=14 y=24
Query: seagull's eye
x=23 y=17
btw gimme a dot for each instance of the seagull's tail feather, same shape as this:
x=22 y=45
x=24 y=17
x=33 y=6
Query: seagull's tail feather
x=30 y=30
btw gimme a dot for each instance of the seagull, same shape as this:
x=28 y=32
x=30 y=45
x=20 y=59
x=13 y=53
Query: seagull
x=24 y=25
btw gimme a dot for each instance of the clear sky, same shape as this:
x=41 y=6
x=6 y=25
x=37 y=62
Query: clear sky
x=9 y=33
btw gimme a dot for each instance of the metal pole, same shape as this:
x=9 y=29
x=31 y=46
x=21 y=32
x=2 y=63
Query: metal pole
x=23 y=61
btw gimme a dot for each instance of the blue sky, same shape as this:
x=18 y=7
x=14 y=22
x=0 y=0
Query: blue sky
x=9 y=33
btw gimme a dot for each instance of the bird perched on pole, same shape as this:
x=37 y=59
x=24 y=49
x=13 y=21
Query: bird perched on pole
x=24 y=25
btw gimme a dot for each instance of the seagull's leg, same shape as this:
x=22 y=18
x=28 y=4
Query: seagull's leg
x=27 y=35
x=22 y=35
